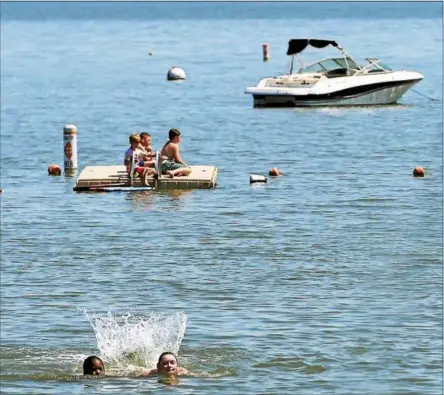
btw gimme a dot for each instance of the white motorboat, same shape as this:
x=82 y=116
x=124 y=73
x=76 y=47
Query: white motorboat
x=333 y=82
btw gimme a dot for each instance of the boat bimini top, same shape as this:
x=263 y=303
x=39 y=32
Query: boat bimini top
x=332 y=67
x=296 y=46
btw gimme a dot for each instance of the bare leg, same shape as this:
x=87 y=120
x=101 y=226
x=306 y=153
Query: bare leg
x=183 y=171
x=149 y=170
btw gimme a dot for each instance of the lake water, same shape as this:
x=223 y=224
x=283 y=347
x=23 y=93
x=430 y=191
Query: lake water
x=327 y=280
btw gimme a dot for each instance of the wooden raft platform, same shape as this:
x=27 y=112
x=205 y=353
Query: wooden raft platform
x=201 y=177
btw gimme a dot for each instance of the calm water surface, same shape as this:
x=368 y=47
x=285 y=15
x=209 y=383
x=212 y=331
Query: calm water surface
x=327 y=280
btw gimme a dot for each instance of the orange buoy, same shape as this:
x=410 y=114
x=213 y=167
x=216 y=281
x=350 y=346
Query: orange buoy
x=265 y=52
x=54 y=170
x=418 y=172
x=274 y=172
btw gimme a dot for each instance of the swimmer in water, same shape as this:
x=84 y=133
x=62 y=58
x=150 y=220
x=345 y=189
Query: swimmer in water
x=167 y=366
x=94 y=366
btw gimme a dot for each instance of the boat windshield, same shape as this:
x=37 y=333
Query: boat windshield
x=384 y=66
x=330 y=64
x=376 y=65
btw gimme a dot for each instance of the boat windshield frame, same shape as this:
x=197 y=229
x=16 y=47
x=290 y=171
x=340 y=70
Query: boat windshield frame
x=347 y=63
x=375 y=65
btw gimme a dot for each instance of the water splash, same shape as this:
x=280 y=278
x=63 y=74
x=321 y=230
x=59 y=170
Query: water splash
x=137 y=340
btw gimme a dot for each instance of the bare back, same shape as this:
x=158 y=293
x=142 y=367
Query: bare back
x=170 y=151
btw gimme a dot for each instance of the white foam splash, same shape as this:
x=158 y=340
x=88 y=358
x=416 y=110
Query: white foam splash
x=138 y=340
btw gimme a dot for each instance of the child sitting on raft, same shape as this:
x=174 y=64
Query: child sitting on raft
x=144 y=163
x=171 y=162
x=145 y=144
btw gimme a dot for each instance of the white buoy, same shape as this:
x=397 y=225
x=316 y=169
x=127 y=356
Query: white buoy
x=176 y=73
x=70 y=147
x=257 y=178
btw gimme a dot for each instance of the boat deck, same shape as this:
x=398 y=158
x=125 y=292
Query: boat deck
x=291 y=82
x=201 y=177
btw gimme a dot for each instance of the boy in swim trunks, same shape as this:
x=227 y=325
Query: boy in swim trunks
x=171 y=162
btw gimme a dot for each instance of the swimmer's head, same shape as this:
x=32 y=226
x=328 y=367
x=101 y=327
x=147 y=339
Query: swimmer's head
x=93 y=365
x=167 y=363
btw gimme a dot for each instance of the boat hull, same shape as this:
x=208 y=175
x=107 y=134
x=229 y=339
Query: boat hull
x=377 y=95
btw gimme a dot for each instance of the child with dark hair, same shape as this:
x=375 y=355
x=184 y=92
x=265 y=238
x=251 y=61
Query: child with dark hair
x=145 y=143
x=172 y=163
x=93 y=365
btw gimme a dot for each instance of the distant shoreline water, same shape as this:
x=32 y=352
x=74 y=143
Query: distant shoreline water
x=169 y=10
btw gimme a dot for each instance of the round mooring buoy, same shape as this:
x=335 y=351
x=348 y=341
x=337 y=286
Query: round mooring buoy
x=418 y=172
x=54 y=170
x=274 y=172
x=176 y=73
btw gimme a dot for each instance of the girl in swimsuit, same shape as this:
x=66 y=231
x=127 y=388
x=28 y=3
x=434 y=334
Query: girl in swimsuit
x=167 y=366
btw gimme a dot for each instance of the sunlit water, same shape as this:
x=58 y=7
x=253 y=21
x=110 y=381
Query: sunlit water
x=327 y=280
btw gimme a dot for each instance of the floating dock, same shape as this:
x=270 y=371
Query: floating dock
x=96 y=178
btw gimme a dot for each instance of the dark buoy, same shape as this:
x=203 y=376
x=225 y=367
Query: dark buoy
x=265 y=52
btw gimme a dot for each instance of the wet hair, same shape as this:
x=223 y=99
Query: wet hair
x=173 y=133
x=143 y=134
x=88 y=364
x=134 y=137
x=166 y=353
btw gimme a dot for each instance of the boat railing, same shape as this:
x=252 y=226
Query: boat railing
x=373 y=66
